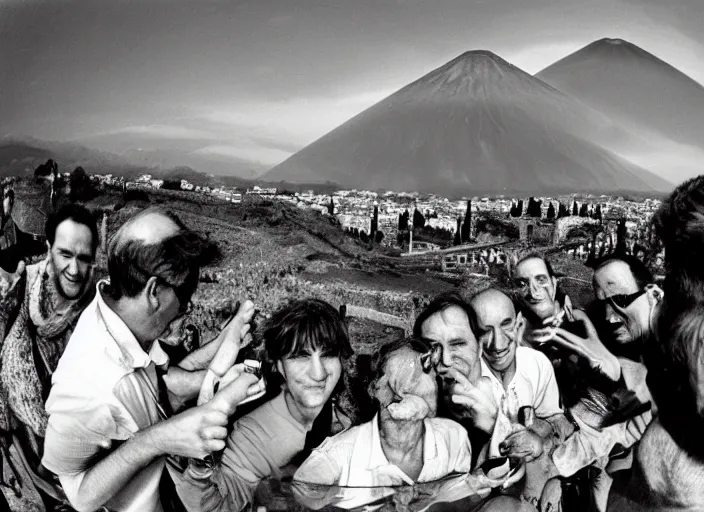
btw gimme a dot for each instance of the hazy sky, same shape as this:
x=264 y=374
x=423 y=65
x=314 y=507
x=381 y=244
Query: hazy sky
x=257 y=80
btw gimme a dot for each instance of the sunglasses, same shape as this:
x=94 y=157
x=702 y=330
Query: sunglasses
x=621 y=301
x=432 y=358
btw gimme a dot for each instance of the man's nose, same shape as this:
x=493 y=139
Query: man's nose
x=533 y=288
x=73 y=267
x=446 y=359
x=499 y=341
x=611 y=315
x=316 y=369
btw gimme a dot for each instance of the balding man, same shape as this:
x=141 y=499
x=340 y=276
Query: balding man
x=110 y=424
x=519 y=377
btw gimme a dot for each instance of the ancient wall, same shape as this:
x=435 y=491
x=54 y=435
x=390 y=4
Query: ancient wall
x=563 y=226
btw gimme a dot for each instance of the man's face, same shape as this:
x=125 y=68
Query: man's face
x=497 y=329
x=72 y=257
x=310 y=377
x=169 y=319
x=460 y=350
x=626 y=324
x=404 y=391
x=538 y=288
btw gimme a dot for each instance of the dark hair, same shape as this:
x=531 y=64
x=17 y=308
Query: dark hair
x=175 y=261
x=679 y=224
x=305 y=324
x=642 y=275
x=440 y=303
x=415 y=343
x=76 y=213
x=674 y=361
x=536 y=256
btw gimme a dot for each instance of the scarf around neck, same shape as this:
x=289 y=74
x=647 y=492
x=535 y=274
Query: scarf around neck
x=34 y=344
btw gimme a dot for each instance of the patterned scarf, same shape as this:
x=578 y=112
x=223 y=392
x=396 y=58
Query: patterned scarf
x=35 y=342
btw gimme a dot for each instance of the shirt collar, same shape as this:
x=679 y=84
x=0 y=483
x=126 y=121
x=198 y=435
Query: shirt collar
x=377 y=458
x=486 y=372
x=132 y=354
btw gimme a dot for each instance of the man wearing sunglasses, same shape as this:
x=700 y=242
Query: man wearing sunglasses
x=628 y=300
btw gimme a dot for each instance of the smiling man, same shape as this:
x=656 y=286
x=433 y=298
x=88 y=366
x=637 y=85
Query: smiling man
x=39 y=311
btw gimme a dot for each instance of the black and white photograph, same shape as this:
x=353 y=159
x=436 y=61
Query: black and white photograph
x=351 y=255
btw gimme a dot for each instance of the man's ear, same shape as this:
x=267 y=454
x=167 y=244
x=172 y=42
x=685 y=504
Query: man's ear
x=151 y=292
x=280 y=367
x=654 y=293
x=554 y=287
x=520 y=326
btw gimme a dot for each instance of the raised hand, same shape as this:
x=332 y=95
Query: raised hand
x=635 y=428
x=8 y=280
x=234 y=336
x=591 y=348
x=200 y=431
x=479 y=402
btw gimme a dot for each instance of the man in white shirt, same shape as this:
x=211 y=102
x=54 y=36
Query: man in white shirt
x=109 y=426
x=518 y=377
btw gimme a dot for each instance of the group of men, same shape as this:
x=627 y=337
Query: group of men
x=93 y=415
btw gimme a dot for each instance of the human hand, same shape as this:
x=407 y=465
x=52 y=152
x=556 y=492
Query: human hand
x=234 y=336
x=551 y=499
x=201 y=430
x=635 y=428
x=8 y=280
x=479 y=401
x=523 y=444
x=591 y=348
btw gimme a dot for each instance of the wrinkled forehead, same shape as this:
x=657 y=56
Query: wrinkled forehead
x=614 y=278
x=448 y=324
x=493 y=309
x=532 y=268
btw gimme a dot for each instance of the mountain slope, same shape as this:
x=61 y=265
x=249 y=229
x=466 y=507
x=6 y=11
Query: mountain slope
x=628 y=83
x=476 y=124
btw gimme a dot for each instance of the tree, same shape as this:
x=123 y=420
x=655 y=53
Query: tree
x=171 y=185
x=597 y=212
x=418 y=219
x=363 y=236
x=534 y=208
x=403 y=221
x=584 y=210
x=551 y=211
x=378 y=237
x=331 y=207
x=517 y=210
x=458 y=236
x=375 y=222
x=467 y=225
x=575 y=211
x=80 y=185
x=621 y=232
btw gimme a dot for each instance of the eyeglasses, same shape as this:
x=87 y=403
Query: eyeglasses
x=432 y=358
x=621 y=301
x=185 y=308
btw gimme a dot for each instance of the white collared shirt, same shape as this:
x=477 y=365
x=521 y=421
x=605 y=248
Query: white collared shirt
x=103 y=391
x=533 y=384
x=355 y=457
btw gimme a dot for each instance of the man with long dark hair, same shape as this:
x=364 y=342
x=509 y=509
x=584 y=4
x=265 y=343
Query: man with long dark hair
x=305 y=342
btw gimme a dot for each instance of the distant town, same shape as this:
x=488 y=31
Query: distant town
x=355 y=209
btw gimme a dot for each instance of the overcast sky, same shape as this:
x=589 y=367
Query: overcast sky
x=257 y=80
